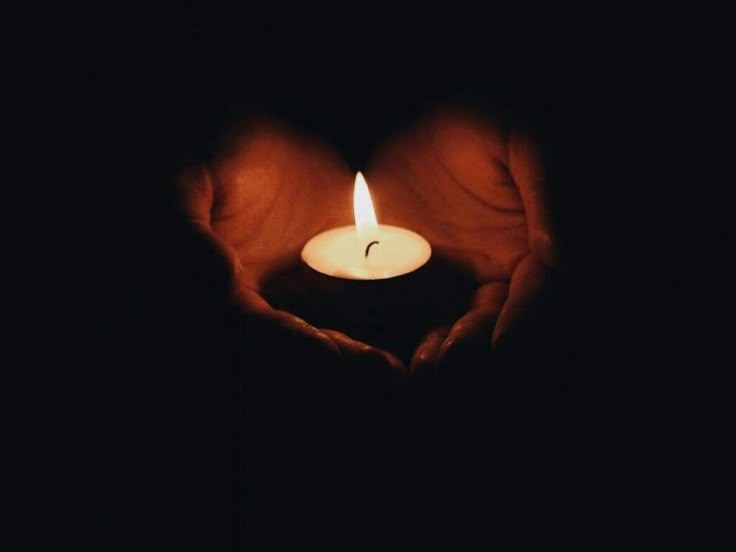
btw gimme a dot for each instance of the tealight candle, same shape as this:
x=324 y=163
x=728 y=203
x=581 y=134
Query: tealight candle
x=366 y=251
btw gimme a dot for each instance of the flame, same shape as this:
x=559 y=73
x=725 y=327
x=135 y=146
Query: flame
x=365 y=217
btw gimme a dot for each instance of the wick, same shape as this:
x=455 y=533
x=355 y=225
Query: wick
x=368 y=248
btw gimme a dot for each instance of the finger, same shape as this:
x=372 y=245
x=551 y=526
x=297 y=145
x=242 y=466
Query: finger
x=266 y=329
x=212 y=260
x=194 y=194
x=302 y=331
x=295 y=347
x=424 y=359
x=528 y=283
x=367 y=362
x=279 y=337
x=200 y=265
x=467 y=345
x=527 y=169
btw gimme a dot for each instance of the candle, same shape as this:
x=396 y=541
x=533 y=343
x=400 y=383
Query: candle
x=366 y=251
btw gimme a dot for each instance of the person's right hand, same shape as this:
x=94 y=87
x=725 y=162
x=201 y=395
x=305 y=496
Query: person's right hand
x=252 y=208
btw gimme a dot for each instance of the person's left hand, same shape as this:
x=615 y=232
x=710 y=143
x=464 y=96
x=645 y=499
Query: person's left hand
x=477 y=192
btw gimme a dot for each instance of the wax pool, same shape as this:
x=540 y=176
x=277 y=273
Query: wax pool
x=341 y=252
x=366 y=251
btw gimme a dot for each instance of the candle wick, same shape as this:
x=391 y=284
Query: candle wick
x=368 y=247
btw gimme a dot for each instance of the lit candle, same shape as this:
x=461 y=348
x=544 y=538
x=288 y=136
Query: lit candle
x=366 y=251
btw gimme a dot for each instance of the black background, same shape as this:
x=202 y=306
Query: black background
x=637 y=106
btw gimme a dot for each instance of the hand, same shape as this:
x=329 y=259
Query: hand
x=476 y=191
x=251 y=209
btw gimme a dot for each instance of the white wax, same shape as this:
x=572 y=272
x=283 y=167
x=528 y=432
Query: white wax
x=340 y=252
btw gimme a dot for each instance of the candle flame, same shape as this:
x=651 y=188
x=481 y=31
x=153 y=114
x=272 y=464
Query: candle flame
x=365 y=217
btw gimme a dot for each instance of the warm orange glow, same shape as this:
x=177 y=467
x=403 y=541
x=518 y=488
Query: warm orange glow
x=365 y=217
x=366 y=251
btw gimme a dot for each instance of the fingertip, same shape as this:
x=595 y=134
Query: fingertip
x=421 y=364
x=497 y=336
x=457 y=335
x=329 y=344
x=365 y=359
x=467 y=346
x=302 y=328
x=425 y=356
x=383 y=362
x=545 y=247
x=396 y=364
x=444 y=356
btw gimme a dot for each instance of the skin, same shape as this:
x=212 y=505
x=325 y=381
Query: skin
x=481 y=192
x=475 y=190
x=251 y=208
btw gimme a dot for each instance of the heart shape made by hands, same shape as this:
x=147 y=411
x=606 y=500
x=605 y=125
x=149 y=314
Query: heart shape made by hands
x=472 y=186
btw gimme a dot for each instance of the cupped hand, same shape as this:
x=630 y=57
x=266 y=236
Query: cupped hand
x=477 y=191
x=253 y=206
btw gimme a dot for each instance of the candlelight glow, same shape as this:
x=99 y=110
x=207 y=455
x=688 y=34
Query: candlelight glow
x=365 y=217
x=366 y=251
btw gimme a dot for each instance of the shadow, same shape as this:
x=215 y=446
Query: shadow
x=393 y=314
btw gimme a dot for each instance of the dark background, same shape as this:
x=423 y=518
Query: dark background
x=637 y=106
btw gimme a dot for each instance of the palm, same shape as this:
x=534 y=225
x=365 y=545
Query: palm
x=274 y=191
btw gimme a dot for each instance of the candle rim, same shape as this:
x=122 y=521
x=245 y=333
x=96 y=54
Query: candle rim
x=425 y=253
